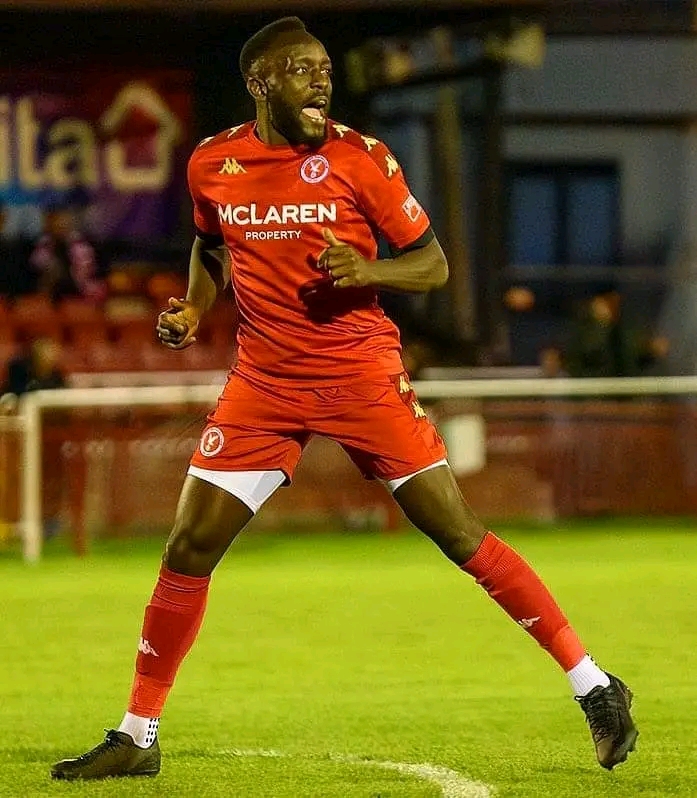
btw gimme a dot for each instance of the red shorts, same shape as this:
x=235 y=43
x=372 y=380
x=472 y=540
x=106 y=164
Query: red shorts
x=379 y=423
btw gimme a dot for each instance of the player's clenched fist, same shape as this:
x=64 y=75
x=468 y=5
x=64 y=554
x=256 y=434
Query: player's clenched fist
x=176 y=326
x=346 y=265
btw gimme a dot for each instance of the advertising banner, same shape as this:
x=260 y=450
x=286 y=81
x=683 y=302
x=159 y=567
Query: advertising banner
x=113 y=145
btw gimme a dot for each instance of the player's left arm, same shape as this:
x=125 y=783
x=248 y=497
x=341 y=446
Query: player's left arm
x=419 y=267
x=418 y=263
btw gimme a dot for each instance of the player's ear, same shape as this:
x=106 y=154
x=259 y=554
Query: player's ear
x=256 y=87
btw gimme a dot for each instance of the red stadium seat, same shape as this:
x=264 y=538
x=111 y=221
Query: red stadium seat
x=163 y=285
x=34 y=316
x=110 y=357
x=74 y=360
x=83 y=324
x=205 y=358
x=156 y=357
x=8 y=350
x=134 y=332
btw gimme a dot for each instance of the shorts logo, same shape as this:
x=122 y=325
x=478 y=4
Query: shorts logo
x=212 y=442
x=314 y=169
x=412 y=208
x=417 y=410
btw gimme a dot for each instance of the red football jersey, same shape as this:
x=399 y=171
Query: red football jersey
x=270 y=204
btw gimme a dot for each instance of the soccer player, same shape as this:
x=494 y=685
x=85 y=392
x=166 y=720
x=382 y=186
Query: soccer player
x=289 y=207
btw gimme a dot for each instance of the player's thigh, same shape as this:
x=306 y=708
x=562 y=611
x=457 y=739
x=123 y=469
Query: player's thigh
x=248 y=449
x=433 y=502
x=207 y=520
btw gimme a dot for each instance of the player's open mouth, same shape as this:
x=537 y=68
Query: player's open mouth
x=316 y=110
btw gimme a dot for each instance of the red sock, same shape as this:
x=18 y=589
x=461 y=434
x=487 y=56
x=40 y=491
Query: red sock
x=172 y=620
x=518 y=590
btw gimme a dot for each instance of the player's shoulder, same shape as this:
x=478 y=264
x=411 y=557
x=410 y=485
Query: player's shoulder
x=363 y=146
x=229 y=139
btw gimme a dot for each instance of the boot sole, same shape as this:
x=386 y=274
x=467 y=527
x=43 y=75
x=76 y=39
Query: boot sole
x=623 y=751
x=58 y=776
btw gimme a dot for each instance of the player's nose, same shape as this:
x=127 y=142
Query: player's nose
x=320 y=80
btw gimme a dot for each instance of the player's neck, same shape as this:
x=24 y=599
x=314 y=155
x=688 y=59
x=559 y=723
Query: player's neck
x=268 y=134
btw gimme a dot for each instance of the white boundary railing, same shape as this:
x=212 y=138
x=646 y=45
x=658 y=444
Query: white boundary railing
x=33 y=405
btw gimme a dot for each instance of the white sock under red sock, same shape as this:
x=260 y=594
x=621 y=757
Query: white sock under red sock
x=142 y=730
x=585 y=676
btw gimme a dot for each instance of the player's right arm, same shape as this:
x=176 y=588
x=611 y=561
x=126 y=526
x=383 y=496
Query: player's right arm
x=209 y=272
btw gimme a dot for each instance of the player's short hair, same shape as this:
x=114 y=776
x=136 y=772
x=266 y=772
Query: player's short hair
x=263 y=40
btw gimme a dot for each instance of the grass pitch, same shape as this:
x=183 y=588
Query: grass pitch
x=373 y=647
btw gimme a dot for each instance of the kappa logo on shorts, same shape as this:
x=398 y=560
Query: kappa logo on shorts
x=212 y=442
x=314 y=169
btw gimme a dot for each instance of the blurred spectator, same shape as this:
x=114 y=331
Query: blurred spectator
x=604 y=345
x=552 y=362
x=65 y=261
x=36 y=370
x=15 y=277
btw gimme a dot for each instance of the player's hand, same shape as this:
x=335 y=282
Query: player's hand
x=347 y=267
x=177 y=326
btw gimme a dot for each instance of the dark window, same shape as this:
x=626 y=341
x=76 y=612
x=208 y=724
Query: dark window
x=563 y=214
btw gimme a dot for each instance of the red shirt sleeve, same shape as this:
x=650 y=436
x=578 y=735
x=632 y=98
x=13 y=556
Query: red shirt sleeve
x=386 y=198
x=205 y=212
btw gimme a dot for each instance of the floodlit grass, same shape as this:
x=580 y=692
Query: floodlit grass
x=365 y=646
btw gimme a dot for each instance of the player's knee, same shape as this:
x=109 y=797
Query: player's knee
x=459 y=543
x=462 y=546
x=192 y=550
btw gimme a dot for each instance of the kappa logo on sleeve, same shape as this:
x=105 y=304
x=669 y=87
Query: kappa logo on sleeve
x=392 y=165
x=341 y=130
x=412 y=208
x=370 y=142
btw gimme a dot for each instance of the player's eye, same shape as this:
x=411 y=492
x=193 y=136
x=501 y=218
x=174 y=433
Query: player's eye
x=301 y=70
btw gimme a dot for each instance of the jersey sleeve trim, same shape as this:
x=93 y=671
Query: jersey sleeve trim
x=423 y=240
x=210 y=240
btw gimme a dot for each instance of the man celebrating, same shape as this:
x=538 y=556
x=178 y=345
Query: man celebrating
x=289 y=206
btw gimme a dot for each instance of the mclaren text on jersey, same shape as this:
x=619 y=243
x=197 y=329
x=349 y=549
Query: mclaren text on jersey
x=253 y=214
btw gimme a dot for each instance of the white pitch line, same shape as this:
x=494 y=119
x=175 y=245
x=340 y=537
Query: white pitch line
x=452 y=783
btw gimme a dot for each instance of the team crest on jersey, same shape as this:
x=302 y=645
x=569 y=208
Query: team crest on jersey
x=212 y=442
x=314 y=169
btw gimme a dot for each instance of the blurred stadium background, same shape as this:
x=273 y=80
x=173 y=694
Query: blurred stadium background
x=554 y=146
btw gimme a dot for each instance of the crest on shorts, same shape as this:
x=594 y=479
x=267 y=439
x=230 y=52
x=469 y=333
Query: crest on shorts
x=314 y=169
x=212 y=442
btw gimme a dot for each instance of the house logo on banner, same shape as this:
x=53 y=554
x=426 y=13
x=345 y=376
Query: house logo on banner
x=118 y=142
